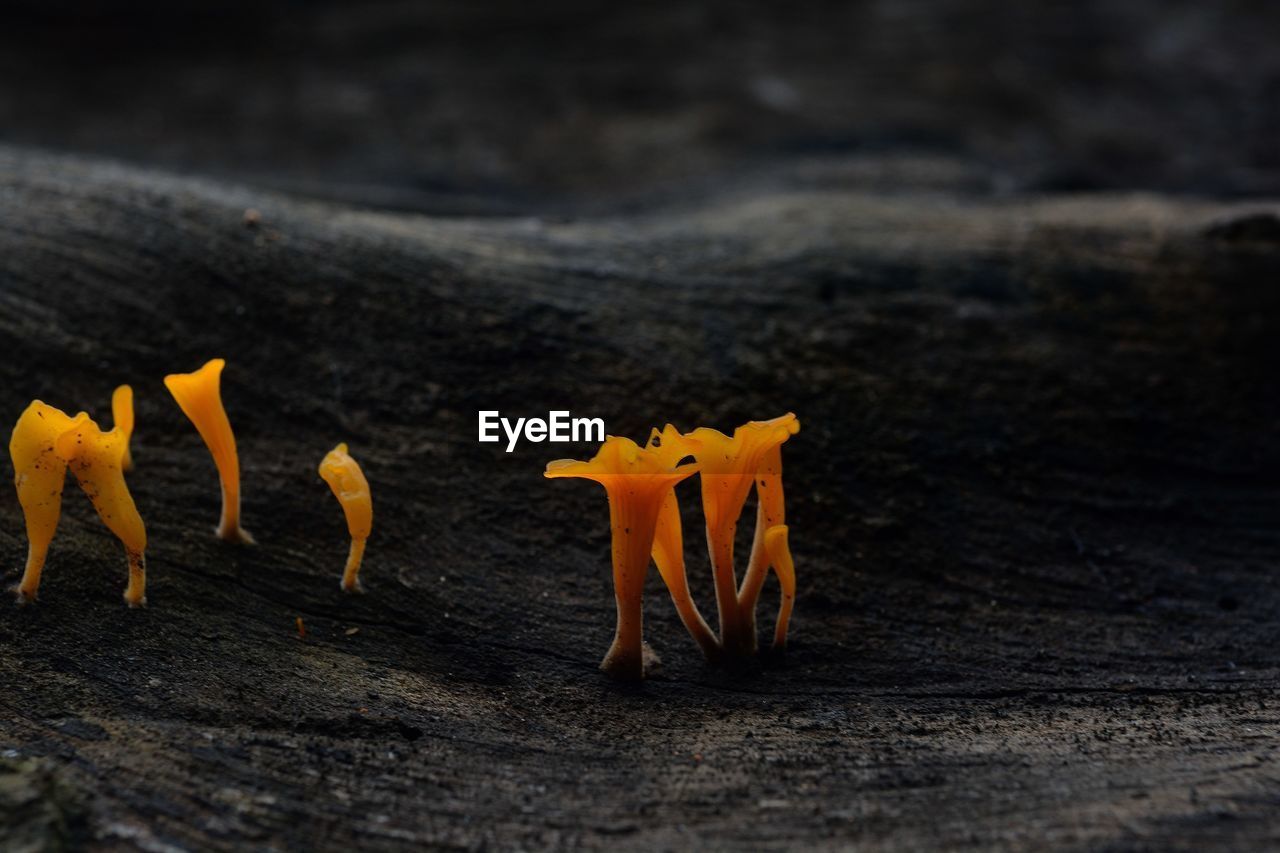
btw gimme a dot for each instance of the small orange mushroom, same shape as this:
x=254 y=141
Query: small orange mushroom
x=775 y=541
x=350 y=487
x=122 y=417
x=668 y=543
x=97 y=459
x=729 y=467
x=637 y=481
x=770 y=514
x=38 y=475
x=45 y=442
x=199 y=395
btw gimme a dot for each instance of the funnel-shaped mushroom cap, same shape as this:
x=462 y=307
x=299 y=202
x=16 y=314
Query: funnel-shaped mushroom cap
x=350 y=487
x=729 y=464
x=669 y=447
x=621 y=464
x=199 y=395
x=122 y=417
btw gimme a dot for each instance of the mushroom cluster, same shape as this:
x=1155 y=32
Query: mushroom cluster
x=46 y=442
x=645 y=520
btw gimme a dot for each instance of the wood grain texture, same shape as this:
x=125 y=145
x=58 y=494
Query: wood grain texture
x=1014 y=266
x=1033 y=507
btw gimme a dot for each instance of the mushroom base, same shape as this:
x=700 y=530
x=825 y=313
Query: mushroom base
x=135 y=594
x=623 y=662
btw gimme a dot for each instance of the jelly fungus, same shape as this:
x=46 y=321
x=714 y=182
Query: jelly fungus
x=45 y=442
x=668 y=543
x=96 y=458
x=38 y=475
x=637 y=481
x=775 y=541
x=770 y=513
x=200 y=397
x=122 y=417
x=350 y=487
x=729 y=466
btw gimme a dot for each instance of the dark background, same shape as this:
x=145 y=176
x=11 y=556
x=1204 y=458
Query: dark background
x=1013 y=265
x=494 y=103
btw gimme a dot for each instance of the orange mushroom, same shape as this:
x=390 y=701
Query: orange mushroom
x=729 y=466
x=770 y=514
x=45 y=442
x=122 y=416
x=97 y=458
x=200 y=397
x=668 y=543
x=637 y=481
x=38 y=475
x=350 y=487
x=775 y=541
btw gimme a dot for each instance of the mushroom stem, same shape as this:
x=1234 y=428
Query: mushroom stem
x=29 y=586
x=696 y=625
x=668 y=553
x=135 y=594
x=753 y=579
x=122 y=418
x=733 y=635
x=351 y=574
x=229 y=529
x=775 y=541
x=770 y=513
x=633 y=523
x=625 y=658
x=95 y=458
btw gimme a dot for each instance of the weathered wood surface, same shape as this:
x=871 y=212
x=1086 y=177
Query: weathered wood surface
x=1034 y=507
x=1014 y=267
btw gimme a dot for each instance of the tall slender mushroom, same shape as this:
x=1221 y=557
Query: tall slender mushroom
x=729 y=466
x=636 y=481
x=97 y=460
x=780 y=556
x=770 y=514
x=122 y=418
x=668 y=543
x=199 y=395
x=38 y=475
x=350 y=487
